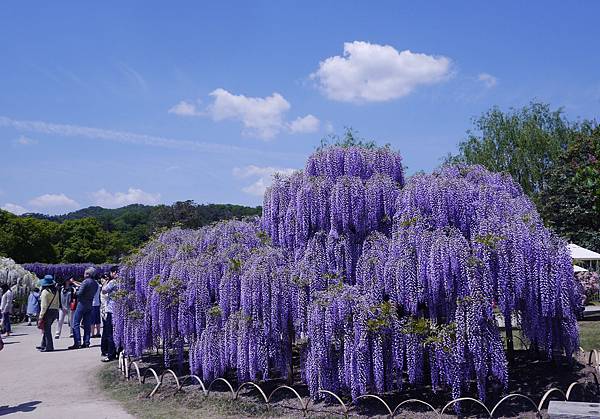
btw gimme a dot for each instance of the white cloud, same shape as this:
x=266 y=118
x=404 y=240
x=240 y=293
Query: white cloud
x=375 y=73
x=264 y=174
x=67 y=130
x=134 y=76
x=184 y=108
x=25 y=141
x=60 y=201
x=487 y=79
x=261 y=116
x=14 y=208
x=257 y=188
x=120 y=199
x=307 y=124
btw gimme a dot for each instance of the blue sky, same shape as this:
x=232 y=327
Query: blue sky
x=110 y=103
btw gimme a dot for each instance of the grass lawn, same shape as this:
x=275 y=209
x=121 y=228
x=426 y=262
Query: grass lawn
x=589 y=334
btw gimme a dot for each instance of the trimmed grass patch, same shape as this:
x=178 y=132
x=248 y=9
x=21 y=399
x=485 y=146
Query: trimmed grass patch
x=589 y=334
x=132 y=397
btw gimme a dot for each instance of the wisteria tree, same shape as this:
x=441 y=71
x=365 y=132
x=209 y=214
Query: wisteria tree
x=376 y=282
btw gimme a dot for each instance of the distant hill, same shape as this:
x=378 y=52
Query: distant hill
x=94 y=212
x=137 y=222
x=100 y=235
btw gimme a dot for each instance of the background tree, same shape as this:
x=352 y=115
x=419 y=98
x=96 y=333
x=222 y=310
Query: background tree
x=350 y=138
x=570 y=203
x=27 y=239
x=524 y=142
x=99 y=235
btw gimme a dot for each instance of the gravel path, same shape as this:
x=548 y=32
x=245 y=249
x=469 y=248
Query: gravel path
x=51 y=385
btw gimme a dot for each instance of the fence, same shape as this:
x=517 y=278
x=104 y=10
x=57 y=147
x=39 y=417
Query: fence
x=130 y=369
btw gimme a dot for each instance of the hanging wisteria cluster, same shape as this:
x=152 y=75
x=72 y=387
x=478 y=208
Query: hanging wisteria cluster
x=62 y=271
x=376 y=283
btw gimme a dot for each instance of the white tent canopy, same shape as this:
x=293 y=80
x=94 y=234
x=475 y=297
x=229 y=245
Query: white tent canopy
x=579 y=269
x=581 y=253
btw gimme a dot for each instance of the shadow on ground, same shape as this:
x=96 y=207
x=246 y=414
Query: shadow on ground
x=23 y=407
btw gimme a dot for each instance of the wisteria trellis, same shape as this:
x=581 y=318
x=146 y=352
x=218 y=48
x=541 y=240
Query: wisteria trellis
x=65 y=270
x=374 y=281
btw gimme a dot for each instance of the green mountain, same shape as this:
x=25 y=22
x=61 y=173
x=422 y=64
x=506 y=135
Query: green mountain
x=97 y=234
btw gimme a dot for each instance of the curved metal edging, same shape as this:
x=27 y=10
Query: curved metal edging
x=137 y=369
x=595 y=353
x=250 y=383
x=303 y=405
x=127 y=364
x=191 y=377
x=372 y=396
x=158 y=381
x=548 y=393
x=338 y=399
x=162 y=376
x=511 y=396
x=414 y=401
x=522 y=342
x=460 y=399
x=223 y=380
x=570 y=388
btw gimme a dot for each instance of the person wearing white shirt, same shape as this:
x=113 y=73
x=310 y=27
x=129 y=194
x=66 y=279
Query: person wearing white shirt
x=6 y=307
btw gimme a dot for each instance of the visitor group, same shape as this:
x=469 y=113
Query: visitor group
x=79 y=305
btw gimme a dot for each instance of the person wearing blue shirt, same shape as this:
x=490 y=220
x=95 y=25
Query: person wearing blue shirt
x=83 y=312
x=33 y=305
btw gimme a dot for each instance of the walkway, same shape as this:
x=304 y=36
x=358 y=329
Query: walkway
x=51 y=385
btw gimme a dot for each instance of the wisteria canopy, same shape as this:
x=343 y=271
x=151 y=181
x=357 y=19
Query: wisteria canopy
x=375 y=282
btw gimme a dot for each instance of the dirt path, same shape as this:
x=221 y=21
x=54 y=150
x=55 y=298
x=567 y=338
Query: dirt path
x=51 y=385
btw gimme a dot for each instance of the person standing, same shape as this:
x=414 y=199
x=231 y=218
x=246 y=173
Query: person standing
x=107 y=344
x=6 y=306
x=49 y=312
x=85 y=297
x=33 y=305
x=73 y=305
x=65 y=293
x=96 y=320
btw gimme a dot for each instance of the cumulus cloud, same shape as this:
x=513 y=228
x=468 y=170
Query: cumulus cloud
x=306 y=124
x=261 y=117
x=184 y=108
x=54 y=201
x=24 y=141
x=263 y=174
x=14 y=208
x=108 y=199
x=488 y=80
x=376 y=73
